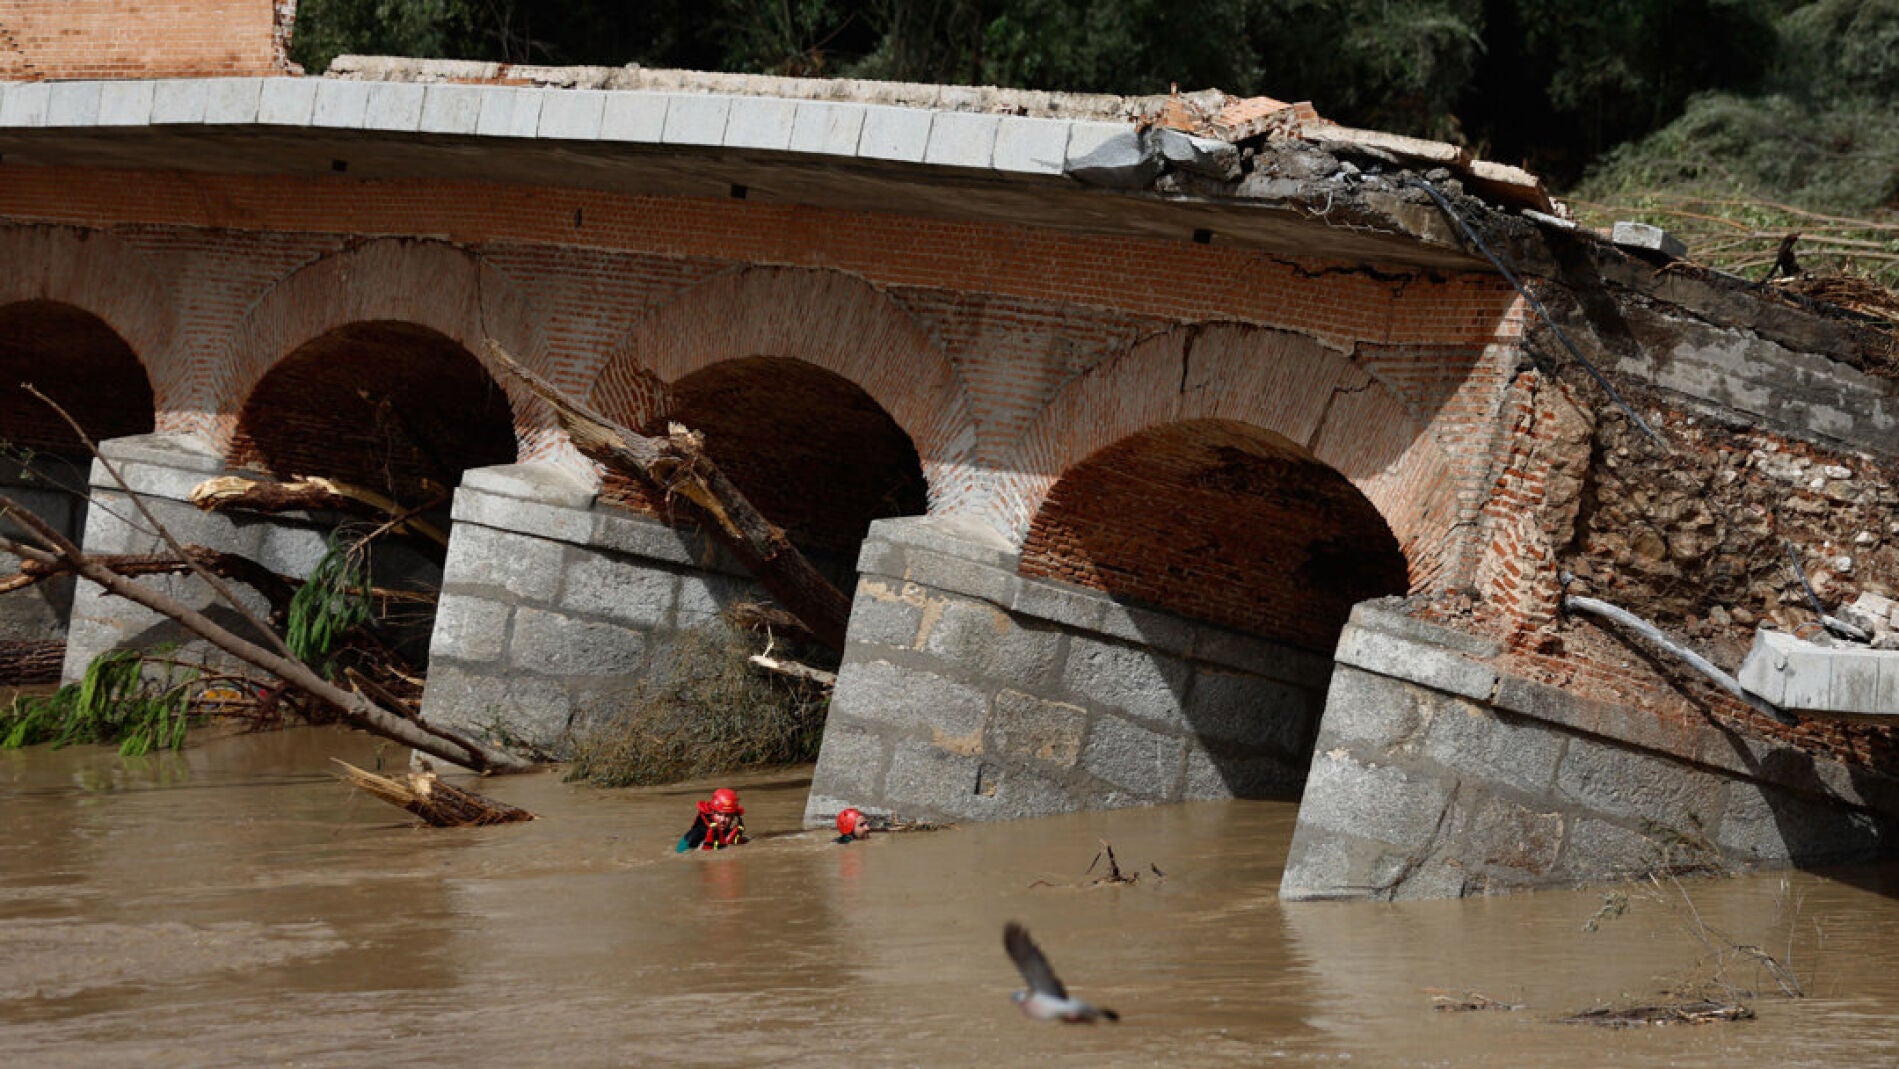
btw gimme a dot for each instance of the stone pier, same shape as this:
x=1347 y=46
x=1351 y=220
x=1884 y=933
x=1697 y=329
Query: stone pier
x=550 y=602
x=51 y=488
x=968 y=692
x=1436 y=775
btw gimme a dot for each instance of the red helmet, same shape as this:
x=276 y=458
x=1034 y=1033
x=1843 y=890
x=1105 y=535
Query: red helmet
x=725 y=800
x=848 y=821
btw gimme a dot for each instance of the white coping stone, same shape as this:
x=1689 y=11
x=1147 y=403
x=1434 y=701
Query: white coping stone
x=1033 y=146
x=450 y=109
x=634 y=117
x=73 y=104
x=178 y=100
x=1085 y=137
x=341 y=105
x=696 y=120
x=287 y=101
x=531 y=481
x=573 y=114
x=894 y=134
x=232 y=101
x=961 y=139
x=125 y=104
x=827 y=128
x=761 y=122
x=508 y=112
x=395 y=106
x=25 y=104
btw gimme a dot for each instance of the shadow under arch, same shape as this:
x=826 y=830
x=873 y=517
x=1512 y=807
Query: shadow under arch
x=815 y=453
x=832 y=321
x=105 y=278
x=75 y=358
x=427 y=286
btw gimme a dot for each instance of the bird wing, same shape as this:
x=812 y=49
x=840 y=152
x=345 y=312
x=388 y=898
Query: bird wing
x=1030 y=962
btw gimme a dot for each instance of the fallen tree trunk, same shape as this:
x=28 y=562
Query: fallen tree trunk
x=677 y=466
x=443 y=805
x=275 y=588
x=53 y=549
x=331 y=495
x=31 y=662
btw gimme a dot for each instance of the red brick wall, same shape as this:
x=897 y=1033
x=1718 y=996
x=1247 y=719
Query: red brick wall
x=1222 y=522
x=54 y=39
x=1008 y=356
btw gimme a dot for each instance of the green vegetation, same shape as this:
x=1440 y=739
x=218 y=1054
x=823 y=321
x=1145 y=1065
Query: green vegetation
x=701 y=708
x=116 y=701
x=1817 y=152
x=334 y=601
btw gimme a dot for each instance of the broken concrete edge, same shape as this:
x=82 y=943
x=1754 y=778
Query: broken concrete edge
x=963 y=556
x=1852 y=682
x=1207 y=118
x=1382 y=640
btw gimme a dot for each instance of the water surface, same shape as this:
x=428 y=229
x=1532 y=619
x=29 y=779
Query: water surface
x=236 y=905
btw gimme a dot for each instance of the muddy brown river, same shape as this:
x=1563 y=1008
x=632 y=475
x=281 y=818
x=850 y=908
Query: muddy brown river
x=236 y=905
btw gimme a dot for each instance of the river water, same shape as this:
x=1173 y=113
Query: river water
x=236 y=905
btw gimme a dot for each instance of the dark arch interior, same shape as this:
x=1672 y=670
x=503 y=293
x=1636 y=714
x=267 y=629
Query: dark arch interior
x=391 y=406
x=812 y=451
x=1220 y=522
x=76 y=359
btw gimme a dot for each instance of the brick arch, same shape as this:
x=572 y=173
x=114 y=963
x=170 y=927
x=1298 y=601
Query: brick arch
x=1321 y=403
x=429 y=285
x=107 y=278
x=837 y=322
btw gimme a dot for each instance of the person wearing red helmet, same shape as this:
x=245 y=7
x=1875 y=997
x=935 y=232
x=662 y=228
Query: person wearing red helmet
x=851 y=826
x=720 y=823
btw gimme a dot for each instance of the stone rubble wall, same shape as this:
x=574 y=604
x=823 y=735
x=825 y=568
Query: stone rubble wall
x=970 y=693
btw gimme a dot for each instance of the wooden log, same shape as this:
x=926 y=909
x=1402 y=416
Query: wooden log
x=276 y=589
x=50 y=547
x=440 y=804
x=31 y=662
x=677 y=466
x=329 y=495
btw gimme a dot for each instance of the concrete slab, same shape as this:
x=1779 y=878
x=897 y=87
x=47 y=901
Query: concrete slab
x=125 y=104
x=287 y=101
x=73 y=104
x=232 y=101
x=696 y=120
x=450 y=109
x=1030 y=146
x=509 y=112
x=634 y=117
x=961 y=139
x=395 y=106
x=341 y=105
x=178 y=100
x=1646 y=238
x=827 y=128
x=573 y=115
x=760 y=122
x=901 y=134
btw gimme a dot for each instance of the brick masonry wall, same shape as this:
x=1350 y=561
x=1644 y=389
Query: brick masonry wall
x=1002 y=379
x=62 y=39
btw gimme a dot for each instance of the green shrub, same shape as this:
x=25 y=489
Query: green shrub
x=116 y=701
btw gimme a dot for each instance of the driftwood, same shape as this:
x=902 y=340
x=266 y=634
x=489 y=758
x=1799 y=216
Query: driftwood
x=28 y=662
x=332 y=495
x=276 y=589
x=678 y=467
x=441 y=804
x=50 y=548
x=1699 y=1011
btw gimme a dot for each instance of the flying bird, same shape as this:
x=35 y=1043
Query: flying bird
x=1046 y=999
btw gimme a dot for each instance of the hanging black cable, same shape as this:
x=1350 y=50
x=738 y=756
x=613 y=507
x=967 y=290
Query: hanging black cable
x=1511 y=277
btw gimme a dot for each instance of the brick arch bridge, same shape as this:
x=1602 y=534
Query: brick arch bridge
x=1107 y=349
